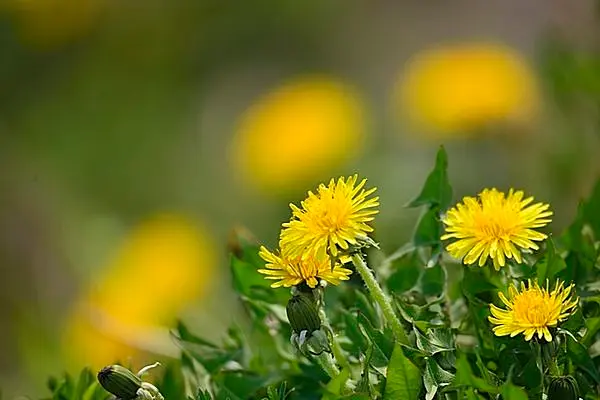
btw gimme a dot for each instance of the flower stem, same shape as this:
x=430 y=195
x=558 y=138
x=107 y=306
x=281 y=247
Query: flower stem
x=380 y=298
x=338 y=353
x=326 y=362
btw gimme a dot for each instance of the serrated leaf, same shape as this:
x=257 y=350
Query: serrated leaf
x=437 y=190
x=441 y=337
x=435 y=377
x=424 y=344
x=403 y=377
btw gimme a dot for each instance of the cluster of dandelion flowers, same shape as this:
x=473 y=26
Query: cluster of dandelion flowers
x=333 y=218
x=291 y=271
x=495 y=225
x=533 y=309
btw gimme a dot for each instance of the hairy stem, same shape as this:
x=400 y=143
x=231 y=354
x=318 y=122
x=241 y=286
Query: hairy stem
x=380 y=298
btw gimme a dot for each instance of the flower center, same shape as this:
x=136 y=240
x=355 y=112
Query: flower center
x=494 y=225
x=332 y=217
x=532 y=308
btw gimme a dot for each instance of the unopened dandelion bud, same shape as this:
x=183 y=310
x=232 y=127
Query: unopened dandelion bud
x=563 y=388
x=120 y=381
x=302 y=314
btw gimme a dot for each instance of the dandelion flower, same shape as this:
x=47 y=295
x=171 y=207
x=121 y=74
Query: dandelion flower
x=308 y=125
x=460 y=87
x=495 y=226
x=162 y=266
x=334 y=218
x=533 y=310
x=291 y=271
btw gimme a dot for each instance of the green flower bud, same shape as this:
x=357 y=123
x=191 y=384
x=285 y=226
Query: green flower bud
x=120 y=381
x=302 y=314
x=563 y=388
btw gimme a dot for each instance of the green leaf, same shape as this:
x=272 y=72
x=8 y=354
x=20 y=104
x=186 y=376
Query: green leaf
x=435 y=377
x=364 y=383
x=579 y=355
x=512 y=392
x=549 y=265
x=406 y=273
x=465 y=377
x=239 y=384
x=172 y=384
x=336 y=385
x=432 y=281
x=475 y=281
x=278 y=393
x=593 y=326
x=403 y=377
x=437 y=190
x=428 y=346
x=246 y=276
x=211 y=357
x=471 y=395
x=382 y=341
x=429 y=229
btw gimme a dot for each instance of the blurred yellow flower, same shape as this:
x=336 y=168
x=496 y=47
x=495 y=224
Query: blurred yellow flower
x=299 y=131
x=162 y=266
x=49 y=23
x=458 y=88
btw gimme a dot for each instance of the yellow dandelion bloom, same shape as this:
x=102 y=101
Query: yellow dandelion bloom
x=296 y=133
x=495 y=225
x=161 y=267
x=333 y=218
x=291 y=271
x=533 y=310
x=457 y=88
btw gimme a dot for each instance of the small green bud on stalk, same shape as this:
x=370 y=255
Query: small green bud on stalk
x=302 y=314
x=563 y=388
x=120 y=381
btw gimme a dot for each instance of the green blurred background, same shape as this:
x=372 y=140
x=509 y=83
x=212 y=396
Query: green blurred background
x=135 y=136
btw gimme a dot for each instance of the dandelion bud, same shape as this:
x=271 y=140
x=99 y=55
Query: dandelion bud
x=302 y=314
x=120 y=381
x=563 y=388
